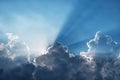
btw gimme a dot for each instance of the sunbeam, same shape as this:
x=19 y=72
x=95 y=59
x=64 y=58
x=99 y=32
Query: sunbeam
x=38 y=22
x=59 y=39
x=87 y=18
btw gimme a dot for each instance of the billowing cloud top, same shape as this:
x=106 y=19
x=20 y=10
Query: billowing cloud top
x=103 y=45
x=100 y=62
x=14 y=48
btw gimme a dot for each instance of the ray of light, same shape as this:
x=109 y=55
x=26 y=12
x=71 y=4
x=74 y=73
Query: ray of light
x=88 y=18
x=37 y=22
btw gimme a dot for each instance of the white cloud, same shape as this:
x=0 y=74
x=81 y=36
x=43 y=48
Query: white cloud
x=14 y=48
x=103 y=45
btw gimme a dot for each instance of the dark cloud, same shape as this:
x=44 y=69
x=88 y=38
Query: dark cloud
x=60 y=64
x=21 y=72
x=100 y=62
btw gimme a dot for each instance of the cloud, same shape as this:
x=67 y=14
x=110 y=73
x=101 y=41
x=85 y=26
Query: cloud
x=58 y=63
x=16 y=47
x=14 y=51
x=22 y=72
x=103 y=45
x=100 y=62
x=105 y=53
x=14 y=64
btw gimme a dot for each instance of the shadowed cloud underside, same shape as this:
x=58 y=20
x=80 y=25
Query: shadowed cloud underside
x=58 y=63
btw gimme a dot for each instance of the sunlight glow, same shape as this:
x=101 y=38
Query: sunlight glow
x=34 y=29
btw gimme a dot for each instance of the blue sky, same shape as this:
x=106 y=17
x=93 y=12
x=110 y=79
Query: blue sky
x=71 y=22
x=88 y=17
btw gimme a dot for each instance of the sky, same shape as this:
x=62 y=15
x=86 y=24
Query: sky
x=36 y=22
x=88 y=17
x=59 y=40
x=72 y=22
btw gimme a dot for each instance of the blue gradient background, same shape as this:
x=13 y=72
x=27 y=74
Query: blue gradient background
x=71 y=22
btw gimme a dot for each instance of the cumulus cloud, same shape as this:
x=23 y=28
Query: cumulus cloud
x=14 y=64
x=100 y=62
x=60 y=64
x=16 y=48
x=102 y=46
x=13 y=51
x=105 y=53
